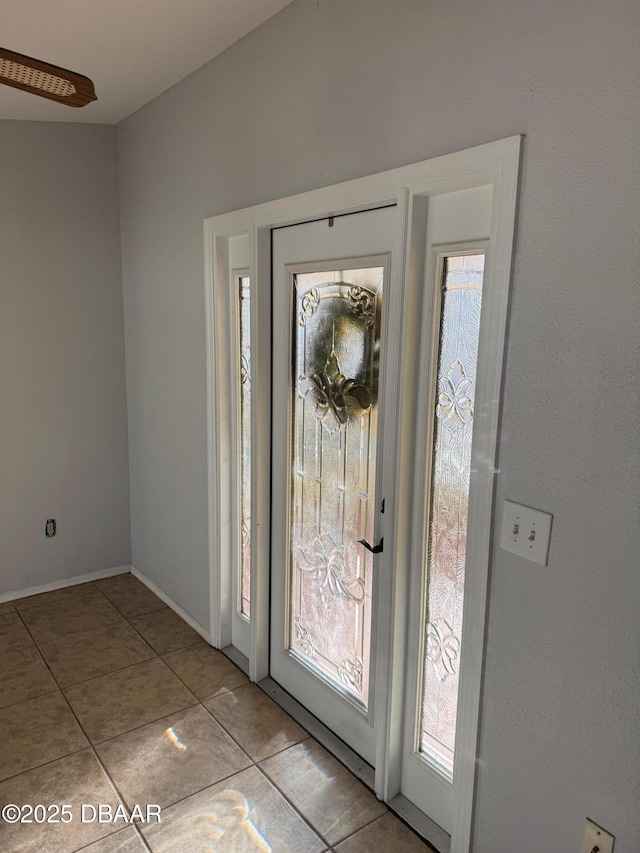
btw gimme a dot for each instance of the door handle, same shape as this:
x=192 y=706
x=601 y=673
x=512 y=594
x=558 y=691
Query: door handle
x=375 y=549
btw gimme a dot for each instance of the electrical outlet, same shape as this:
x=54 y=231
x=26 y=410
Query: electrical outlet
x=50 y=528
x=596 y=839
x=526 y=531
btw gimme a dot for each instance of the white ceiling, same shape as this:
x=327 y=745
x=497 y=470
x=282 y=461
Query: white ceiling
x=133 y=50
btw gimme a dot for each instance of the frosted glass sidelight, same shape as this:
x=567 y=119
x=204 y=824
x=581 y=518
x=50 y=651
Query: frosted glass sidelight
x=335 y=343
x=245 y=444
x=447 y=524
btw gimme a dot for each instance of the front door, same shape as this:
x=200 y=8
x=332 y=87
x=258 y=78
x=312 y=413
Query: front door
x=329 y=340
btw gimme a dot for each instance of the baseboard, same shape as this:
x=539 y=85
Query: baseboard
x=78 y=579
x=182 y=613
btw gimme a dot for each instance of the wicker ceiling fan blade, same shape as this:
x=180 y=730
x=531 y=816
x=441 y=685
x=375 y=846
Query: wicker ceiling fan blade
x=48 y=81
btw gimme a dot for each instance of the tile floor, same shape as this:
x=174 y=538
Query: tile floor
x=107 y=697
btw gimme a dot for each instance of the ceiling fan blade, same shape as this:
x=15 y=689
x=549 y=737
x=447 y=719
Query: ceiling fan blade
x=48 y=81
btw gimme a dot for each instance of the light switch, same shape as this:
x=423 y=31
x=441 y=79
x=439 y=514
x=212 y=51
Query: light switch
x=596 y=839
x=526 y=531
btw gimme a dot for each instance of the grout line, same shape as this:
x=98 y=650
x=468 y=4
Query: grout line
x=78 y=593
x=113 y=835
x=147 y=723
x=253 y=763
x=428 y=844
x=364 y=826
x=181 y=648
x=108 y=672
x=236 y=741
x=254 y=760
x=141 y=837
x=79 y=634
x=89 y=744
x=44 y=764
x=198 y=703
x=38 y=695
x=242 y=686
x=324 y=736
x=57 y=639
x=164 y=606
x=54 y=689
x=293 y=806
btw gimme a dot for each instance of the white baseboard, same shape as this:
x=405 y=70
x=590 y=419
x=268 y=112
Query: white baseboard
x=49 y=587
x=182 y=613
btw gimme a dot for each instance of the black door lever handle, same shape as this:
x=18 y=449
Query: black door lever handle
x=375 y=549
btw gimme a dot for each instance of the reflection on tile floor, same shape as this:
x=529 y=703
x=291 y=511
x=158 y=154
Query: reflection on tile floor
x=107 y=697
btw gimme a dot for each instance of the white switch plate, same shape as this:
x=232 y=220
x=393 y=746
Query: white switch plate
x=526 y=531
x=596 y=838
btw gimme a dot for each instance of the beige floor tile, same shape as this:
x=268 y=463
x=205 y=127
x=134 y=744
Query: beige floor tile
x=172 y=758
x=53 y=596
x=164 y=630
x=112 y=704
x=6 y=607
x=68 y=616
x=35 y=732
x=129 y=595
x=92 y=653
x=23 y=675
x=384 y=834
x=73 y=780
x=255 y=721
x=205 y=671
x=125 y=841
x=13 y=634
x=243 y=814
x=334 y=802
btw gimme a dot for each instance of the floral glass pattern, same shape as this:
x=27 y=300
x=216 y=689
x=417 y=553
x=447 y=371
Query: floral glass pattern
x=335 y=347
x=244 y=315
x=447 y=525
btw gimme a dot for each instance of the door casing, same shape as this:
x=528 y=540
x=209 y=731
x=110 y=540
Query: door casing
x=496 y=165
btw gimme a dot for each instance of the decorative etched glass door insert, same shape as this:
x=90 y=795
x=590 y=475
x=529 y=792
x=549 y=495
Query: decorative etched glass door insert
x=245 y=442
x=335 y=351
x=462 y=276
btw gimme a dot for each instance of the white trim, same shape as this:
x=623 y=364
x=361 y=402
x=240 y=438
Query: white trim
x=62 y=584
x=494 y=164
x=448 y=173
x=440 y=791
x=389 y=679
x=182 y=613
x=360 y=240
x=261 y=451
x=240 y=624
x=489 y=391
x=219 y=621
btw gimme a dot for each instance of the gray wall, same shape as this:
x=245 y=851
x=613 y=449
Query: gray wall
x=63 y=428
x=333 y=89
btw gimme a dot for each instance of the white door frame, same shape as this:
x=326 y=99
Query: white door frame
x=494 y=164
x=353 y=239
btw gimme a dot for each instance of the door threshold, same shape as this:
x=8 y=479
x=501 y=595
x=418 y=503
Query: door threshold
x=415 y=819
x=331 y=742
x=422 y=825
x=236 y=656
x=325 y=737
